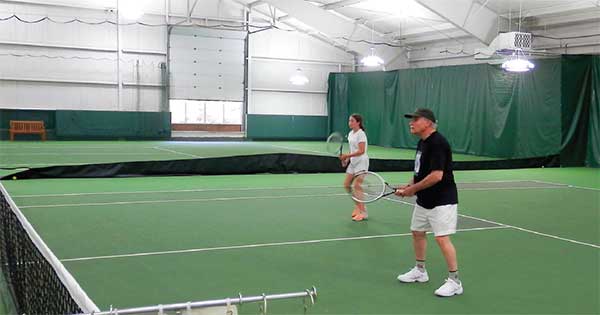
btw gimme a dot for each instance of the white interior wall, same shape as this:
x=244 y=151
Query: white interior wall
x=274 y=57
x=80 y=67
x=70 y=83
x=282 y=103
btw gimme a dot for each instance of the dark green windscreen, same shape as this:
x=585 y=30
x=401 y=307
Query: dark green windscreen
x=593 y=147
x=286 y=127
x=481 y=109
x=104 y=124
x=85 y=124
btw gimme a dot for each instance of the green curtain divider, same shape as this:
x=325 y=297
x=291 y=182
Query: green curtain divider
x=71 y=124
x=47 y=116
x=84 y=124
x=481 y=109
x=576 y=83
x=286 y=127
x=593 y=146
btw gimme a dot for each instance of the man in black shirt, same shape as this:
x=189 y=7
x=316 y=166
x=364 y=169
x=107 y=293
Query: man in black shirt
x=437 y=200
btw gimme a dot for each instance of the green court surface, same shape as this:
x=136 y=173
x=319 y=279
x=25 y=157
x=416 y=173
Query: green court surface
x=39 y=154
x=529 y=241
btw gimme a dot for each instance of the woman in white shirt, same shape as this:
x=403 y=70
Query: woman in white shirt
x=358 y=158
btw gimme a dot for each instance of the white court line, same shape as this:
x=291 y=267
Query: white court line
x=253 y=188
x=176 y=191
x=570 y=186
x=25 y=166
x=497 y=181
x=116 y=146
x=513 y=188
x=87 y=153
x=176 y=200
x=296 y=196
x=176 y=152
x=208 y=249
x=296 y=149
x=533 y=232
x=511 y=226
x=29 y=165
x=500 y=181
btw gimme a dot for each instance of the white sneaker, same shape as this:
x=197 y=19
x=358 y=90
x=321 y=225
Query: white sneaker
x=414 y=275
x=449 y=288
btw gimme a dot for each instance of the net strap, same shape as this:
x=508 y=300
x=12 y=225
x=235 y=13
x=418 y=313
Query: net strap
x=77 y=293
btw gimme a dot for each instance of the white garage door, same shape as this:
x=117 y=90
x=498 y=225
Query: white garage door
x=206 y=64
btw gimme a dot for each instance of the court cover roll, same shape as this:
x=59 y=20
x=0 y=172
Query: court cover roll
x=278 y=163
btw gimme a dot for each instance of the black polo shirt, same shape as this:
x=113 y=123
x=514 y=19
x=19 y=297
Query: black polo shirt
x=434 y=154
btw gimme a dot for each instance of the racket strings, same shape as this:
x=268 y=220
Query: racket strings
x=334 y=143
x=367 y=187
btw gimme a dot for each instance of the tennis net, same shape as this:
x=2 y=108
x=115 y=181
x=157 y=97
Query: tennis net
x=37 y=280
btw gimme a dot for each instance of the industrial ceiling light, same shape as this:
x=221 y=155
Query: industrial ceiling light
x=517 y=64
x=298 y=78
x=130 y=9
x=372 y=60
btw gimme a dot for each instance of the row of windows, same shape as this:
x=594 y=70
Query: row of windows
x=205 y=112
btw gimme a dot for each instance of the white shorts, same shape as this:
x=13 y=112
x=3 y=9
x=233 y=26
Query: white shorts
x=440 y=220
x=357 y=166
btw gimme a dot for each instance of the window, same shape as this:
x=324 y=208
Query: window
x=206 y=112
x=232 y=113
x=177 y=111
x=214 y=113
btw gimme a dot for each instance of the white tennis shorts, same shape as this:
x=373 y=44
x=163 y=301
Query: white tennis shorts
x=440 y=220
x=357 y=166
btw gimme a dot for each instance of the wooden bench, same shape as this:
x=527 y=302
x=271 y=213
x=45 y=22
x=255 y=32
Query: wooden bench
x=27 y=127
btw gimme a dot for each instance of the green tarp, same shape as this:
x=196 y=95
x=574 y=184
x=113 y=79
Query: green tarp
x=593 y=147
x=47 y=116
x=286 y=127
x=87 y=124
x=105 y=124
x=576 y=83
x=481 y=109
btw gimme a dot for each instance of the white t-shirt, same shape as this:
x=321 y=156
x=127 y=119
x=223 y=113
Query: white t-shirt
x=354 y=138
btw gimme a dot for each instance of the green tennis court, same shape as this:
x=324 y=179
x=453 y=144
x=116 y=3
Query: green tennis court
x=528 y=241
x=193 y=157
x=39 y=154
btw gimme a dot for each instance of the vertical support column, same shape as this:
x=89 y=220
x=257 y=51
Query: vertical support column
x=189 y=13
x=247 y=76
x=165 y=69
x=119 y=52
x=138 y=89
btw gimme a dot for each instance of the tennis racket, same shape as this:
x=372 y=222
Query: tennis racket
x=335 y=143
x=369 y=187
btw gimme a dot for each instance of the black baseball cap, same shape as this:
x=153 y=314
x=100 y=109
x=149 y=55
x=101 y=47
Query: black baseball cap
x=422 y=112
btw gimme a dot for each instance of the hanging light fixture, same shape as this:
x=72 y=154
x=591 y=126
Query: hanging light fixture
x=372 y=60
x=298 y=78
x=130 y=9
x=517 y=64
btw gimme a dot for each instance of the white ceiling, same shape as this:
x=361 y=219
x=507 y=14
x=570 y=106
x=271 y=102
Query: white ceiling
x=390 y=20
x=412 y=22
